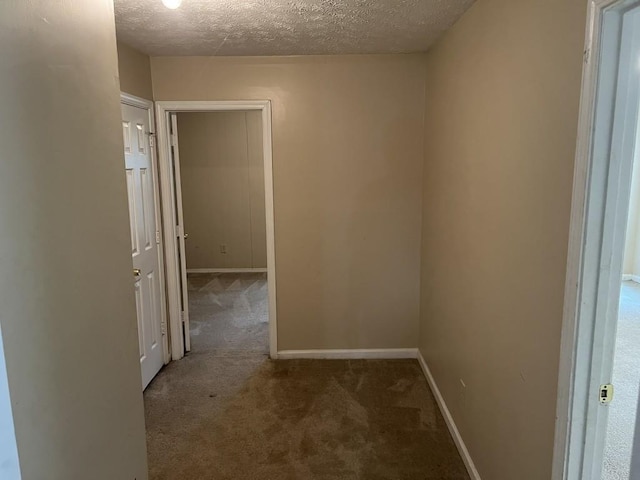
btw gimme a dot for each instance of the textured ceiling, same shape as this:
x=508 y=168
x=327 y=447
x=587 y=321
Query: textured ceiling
x=285 y=27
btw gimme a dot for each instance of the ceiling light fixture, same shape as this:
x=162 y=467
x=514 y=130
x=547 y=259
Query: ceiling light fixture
x=172 y=4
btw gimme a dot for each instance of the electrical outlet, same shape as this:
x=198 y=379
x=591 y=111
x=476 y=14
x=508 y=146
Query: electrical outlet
x=223 y=249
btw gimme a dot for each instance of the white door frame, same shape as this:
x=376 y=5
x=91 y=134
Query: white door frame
x=602 y=180
x=139 y=102
x=163 y=108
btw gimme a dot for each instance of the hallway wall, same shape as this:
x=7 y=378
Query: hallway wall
x=503 y=88
x=68 y=312
x=134 y=71
x=347 y=155
x=222 y=175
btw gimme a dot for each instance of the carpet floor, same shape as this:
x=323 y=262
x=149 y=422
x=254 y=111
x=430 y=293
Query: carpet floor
x=626 y=379
x=228 y=412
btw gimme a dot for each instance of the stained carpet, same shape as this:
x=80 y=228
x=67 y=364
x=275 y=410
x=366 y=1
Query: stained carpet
x=228 y=412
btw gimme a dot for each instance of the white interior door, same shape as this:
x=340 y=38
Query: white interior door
x=614 y=102
x=180 y=233
x=621 y=150
x=145 y=239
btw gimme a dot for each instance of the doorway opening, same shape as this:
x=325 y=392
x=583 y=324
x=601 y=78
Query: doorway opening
x=222 y=185
x=216 y=182
x=596 y=430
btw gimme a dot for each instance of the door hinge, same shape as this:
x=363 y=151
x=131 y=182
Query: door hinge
x=157 y=237
x=163 y=328
x=152 y=140
x=605 y=394
x=587 y=56
x=174 y=140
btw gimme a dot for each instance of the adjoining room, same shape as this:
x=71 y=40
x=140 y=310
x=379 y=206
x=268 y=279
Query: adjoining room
x=223 y=201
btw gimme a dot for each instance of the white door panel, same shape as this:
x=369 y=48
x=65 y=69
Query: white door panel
x=144 y=240
x=180 y=233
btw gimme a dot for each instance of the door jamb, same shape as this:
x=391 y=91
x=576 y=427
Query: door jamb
x=598 y=221
x=134 y=101
x=163 y=108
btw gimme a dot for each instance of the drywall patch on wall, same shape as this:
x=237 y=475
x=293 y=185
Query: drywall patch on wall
x=223 y=194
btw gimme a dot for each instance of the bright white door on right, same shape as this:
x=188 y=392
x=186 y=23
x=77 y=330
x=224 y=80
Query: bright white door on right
x=145 y=239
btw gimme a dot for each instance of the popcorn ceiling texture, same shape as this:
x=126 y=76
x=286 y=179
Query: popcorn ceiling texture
x=280 y=27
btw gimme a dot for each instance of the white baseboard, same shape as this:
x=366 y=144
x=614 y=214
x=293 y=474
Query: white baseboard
x=633 y=278
x=226 y=270
x=462 y=448
x=369 y=353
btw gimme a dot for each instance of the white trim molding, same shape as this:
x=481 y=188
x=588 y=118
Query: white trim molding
x=453 y=429
x=631 y=278
x=226 y=270
x=350 y=354
x=164 y=108
x=134 y=101
x=601 y=186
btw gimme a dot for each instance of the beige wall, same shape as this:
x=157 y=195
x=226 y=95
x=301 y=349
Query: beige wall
x=503 y=89
x=631 y=264
x=222 y=173
x=347 y=154
x=134 y=69
x=68 y=313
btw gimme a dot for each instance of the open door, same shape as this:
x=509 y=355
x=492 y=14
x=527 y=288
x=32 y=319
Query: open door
x=614 y=147
x=146 y=240
x=181 y=236
x=602 y=186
